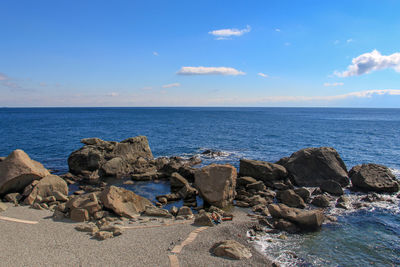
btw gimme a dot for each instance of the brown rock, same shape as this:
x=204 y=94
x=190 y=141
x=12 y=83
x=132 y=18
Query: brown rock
x=290 y=198
x=45 y=188
x=103 y=235
x=262 y=170
x=203 y=219
x=185 y=211
x=321 y=201
x=123 y=202
x=79 y=215
x=18 y=170
x=231 y=249
x=373 y=178
x=216 y=184
x=13 y=197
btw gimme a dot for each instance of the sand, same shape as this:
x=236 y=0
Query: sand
x=52 y=243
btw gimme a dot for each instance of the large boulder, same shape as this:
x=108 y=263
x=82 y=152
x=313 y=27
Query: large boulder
x=231 y=249
x=373 y=178
x=123 y=202
x=332 y=187
x=262 y=170
x=110 y=159
x=18 y=170
x=48 y=186
x=216 y=184
x=305 y=219
x=290 y=198
x=313 y=166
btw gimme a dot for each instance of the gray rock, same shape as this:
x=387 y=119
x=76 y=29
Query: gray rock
x=303 y=192
x=231 y=249
x=290 y=198
x=258 y=186
x=332 y=187
x=321 y=201
x=373 y=178
x=13 y=197
x=262 y=170
x=313 y=166
x=203 y=219
x=157 y=212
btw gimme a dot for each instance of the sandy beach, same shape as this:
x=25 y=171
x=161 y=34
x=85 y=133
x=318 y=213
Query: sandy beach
x=55 y=243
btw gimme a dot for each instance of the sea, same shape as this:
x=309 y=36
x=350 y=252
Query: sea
x=363 y=237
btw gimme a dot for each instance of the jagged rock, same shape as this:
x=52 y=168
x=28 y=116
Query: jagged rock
x=203 y=219
x=231 y=249
x=3 y=206
x=157 y=212
x=282 y=186
x=49 y=199
x=18 y=170
x=89 y=202
x=332 y=187
x=216 y=184
x=262 y=170
x=110 y=158
x=123 y=202
x=60 y=196
x=100 y=214
x=13 y=197
x=290 y=198
x=305 y=219
x=243 y=181
x=321 y=201
x=257 y=186
x=79 y=215
x=303 y=192
x=177 y=181
x=373 y=178
x=313 y=166
x=45 y=188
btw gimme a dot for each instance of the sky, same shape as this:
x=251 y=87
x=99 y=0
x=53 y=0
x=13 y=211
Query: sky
x=200 y=53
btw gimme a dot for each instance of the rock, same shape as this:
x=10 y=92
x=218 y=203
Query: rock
x=242 y=204
x=331 y=187
x=177 y=181
x=103 y=235
x=147 y=176
x=321 y=201
x=282 y=161
x=281 y=186
x=187 y=192
x=157 y=212
x=231 y=249
x=123 y=202
x=18 y=170
x=173 y=210
x=373 y=178
x=257 y=186
x=13 y=197
x=45 y=188
x=303 y=193
x=305 y=219
x=203 y=219
x=3 y=206
x=243 y=181
x=313 y=166
x=110 y=158
x=185 y=211
x=287 y=226
x=79 y=215
x=262 y=170
x=89 y=202
x=89 y=227
x=100 y=214
x=216 y=184
x=49 y=199
x=58 y=215
x=60 y=196
x=257 y=200
x=129 y=182
x=290 y=198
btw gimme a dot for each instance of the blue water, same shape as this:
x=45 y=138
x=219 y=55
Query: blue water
x=49 y=135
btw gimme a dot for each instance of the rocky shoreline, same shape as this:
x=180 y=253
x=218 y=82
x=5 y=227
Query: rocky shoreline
x=278 y=194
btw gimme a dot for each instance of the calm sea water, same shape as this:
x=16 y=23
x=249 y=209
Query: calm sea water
x=370 y=237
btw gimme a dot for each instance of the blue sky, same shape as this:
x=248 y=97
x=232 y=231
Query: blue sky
x=200 y=53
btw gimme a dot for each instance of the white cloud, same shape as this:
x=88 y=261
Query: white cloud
x=287 y=44
x=155 y=53
x=224 y=34
x=349 y=40
x=3 y=77
x=209 y=71
x=262 y=75
x=277 y=30
x=171 y=85
x=333 y=84
x=113 y=94
x=369 y=62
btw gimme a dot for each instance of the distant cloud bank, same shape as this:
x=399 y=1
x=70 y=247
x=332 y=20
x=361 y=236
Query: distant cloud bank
x=209 y=71
x=369 y=62
x=224 y=34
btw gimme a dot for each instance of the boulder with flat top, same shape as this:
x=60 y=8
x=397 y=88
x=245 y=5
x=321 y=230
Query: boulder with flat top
x=262 y=170
x=373 y=178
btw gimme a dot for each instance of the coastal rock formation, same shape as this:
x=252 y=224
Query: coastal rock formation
x=18 y=170
x=231 y=249
x=88 y=202
x=262 y=170
x=113 y=159
x=373 y=178
x=290 y=198
x=331 y=187
x=216 y=184
x=313 y=166
x=50 y=185
x=305 y=219
x=321 y=201
x=123 y=202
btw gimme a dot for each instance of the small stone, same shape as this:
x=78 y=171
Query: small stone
x=231 y=249
x=79 y=192
x=103 y=235
x=79 y=215
x=129 y=182
x=90 y=228
x=321 y=201
x=60 y=196
x=173 y=210
x=203 y=219
x=13 y=197
x=183 y=211
x=37 y=206
x=49 y=199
